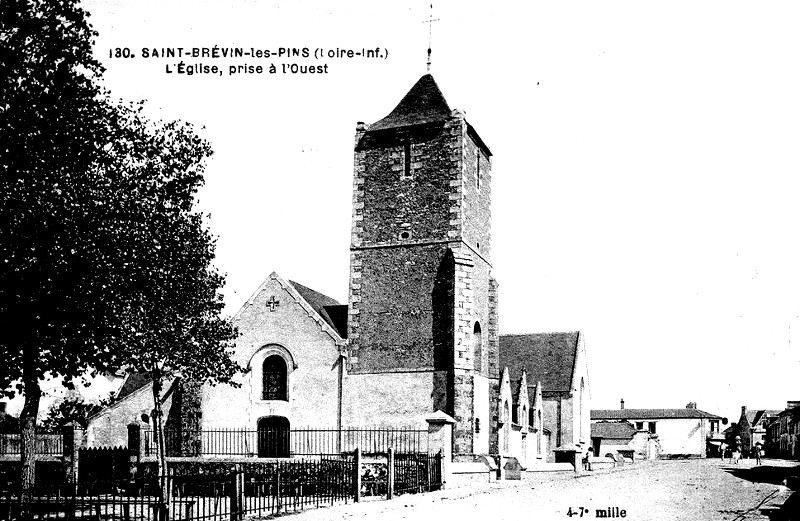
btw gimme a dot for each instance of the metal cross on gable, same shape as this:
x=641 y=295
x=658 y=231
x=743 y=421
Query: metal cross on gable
x=272 y=304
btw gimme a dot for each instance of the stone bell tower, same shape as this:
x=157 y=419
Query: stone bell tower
x=422 y=303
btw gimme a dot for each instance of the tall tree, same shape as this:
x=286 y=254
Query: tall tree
x=105 y=261
x=54 y=124
x=171 y=320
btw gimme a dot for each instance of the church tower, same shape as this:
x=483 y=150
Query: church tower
x=422 y=325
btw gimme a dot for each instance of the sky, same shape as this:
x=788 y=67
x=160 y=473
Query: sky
x=644 y=169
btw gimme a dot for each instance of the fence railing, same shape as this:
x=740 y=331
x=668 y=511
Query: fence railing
x=272 y=488
x=258 y=488
x=46 y=444
x=284 y=443
x=417 y=473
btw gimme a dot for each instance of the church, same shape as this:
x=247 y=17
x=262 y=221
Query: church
x=419 y=333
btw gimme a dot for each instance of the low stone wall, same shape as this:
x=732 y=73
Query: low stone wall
x=470 y=473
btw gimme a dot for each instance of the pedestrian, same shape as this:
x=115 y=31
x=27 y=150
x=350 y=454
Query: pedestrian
x=722 y=448
x=757 y=453
x=587 y=463
x=736 y=455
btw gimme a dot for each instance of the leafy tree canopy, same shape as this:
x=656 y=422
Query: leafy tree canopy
x=72 y=409
x=105 y=263
x=58 y=266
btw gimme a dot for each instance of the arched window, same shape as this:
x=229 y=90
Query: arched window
x=274 y=379
x=477 y=347
x=530 y=419
x=524 y=415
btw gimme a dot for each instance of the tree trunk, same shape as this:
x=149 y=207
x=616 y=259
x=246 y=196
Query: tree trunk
x=163 y=482
x=30 y=410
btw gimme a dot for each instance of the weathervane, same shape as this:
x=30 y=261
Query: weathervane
x=430 y=21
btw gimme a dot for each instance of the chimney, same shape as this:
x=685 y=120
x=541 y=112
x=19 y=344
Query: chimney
x=744 y=410
x=691 y=405
x=621 y=403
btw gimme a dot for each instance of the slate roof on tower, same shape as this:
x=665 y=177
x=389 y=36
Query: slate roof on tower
x=548 y=358
x=424 y=103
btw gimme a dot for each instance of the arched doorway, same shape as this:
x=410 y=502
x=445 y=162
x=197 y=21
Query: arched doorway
x=273 y=437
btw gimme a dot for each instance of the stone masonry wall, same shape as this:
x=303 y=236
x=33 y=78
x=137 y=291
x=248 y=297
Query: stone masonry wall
x=401 y=229
x=476 y=211
x=420 y=275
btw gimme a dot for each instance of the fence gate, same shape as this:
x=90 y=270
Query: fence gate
x=103 y=464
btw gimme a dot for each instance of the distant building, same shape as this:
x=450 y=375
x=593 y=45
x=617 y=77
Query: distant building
x=683 y=432
x=751 y=427
x=783 y=433
x=612 y=436
x=622 y=437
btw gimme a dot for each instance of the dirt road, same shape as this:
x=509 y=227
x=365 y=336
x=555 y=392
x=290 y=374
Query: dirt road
x=664 y=490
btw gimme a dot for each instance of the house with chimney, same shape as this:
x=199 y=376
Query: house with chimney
x=682 y=433
x=752 y=427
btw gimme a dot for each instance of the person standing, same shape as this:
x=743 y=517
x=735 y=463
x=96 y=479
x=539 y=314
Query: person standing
x=757 y=453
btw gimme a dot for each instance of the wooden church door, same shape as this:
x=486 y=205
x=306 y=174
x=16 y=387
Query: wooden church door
x=273 y=437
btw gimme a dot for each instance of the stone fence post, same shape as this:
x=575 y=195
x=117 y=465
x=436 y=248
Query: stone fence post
x=72 y=441
x=440 y=439
x=390 y=474
x=357 y=477
x=136 y=447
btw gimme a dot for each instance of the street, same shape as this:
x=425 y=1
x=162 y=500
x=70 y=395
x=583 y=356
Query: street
x=660 y=490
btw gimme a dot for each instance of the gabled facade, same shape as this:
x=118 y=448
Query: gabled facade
x=519 y=424
x=291 y=346
x=752 y=427
x=292 y=351
x=557 y=361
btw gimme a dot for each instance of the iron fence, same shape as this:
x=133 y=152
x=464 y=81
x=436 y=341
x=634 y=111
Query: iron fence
x=267 y=489
x=284 y=443
x=415 y=473
x=47 y=444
